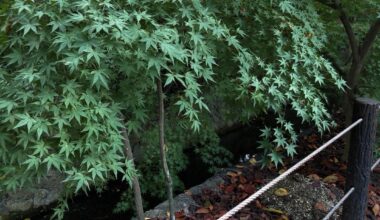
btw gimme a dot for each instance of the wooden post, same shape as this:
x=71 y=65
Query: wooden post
x=360 y=158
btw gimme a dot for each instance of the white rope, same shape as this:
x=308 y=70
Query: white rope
x=254 y=196
x=375 y=164
x=328 y=216
x=341 y=201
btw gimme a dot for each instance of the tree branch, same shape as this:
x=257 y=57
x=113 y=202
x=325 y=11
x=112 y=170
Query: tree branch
x=135 y=180
x=349 y=31
x=169 y=183
x=369 y=38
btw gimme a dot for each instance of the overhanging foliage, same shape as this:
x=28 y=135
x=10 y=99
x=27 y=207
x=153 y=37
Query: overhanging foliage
x=69 y=67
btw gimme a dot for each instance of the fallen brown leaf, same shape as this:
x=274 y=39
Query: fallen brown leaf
x=253 y=161
x=202 y=211
x=180 y=215
x=314 y=177
x=330 y=179
x=248 y=188
x=258 y=204
x=272 y=210
x=229 y=189
x=376 y=209
x=246 y=217
x=281 y=192
x=208 y=205
x=321 y=206
x=283 y=217
x=335 y=160
x=242 y=179
x=232 y=174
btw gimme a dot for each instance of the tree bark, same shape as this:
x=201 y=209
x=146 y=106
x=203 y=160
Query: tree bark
x=353 y=77
x=135 y=181
x=169 y=184
x=360 y=158
x=349 y=100
x=359 y=52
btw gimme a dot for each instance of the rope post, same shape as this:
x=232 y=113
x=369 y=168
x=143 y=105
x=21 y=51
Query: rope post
x=360 y=158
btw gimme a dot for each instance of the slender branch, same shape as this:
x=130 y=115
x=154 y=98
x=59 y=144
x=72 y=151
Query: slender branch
x=135 y=180
x=369 y=38
x=165 y=167
x=356 y=68
x=349 y=31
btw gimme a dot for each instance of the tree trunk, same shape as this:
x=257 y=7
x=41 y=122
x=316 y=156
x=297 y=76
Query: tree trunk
x=359 y=52
x=135 y=181
x=169 y=184
x=352 y=79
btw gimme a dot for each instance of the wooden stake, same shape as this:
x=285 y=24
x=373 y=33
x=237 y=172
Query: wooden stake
x=360 y=158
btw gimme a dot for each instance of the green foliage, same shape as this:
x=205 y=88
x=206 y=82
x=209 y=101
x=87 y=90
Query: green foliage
x=4 y=7
x=369 y=85
x=126 y=202
x=211 y=153
x=178 y=137
x=68 y=68
x=288 y=67
x=362 y=14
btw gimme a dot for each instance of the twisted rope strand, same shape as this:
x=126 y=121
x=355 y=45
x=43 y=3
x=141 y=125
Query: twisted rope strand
x=375 y=164
x=341 y=201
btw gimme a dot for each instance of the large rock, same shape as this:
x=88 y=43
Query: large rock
x=306 y=199
x=31 y=198
x=184 y=201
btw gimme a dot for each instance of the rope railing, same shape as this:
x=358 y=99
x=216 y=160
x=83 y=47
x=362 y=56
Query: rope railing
x=341 y=201
x=375 y=164
x=345 y=197
x=254 y=196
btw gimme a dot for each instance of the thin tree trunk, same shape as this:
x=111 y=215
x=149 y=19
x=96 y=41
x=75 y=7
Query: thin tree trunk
x=169 y=184
x=135 y=180
x=359 y=52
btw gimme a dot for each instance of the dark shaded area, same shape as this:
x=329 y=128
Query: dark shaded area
x=94 y=206
x=240 y=141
